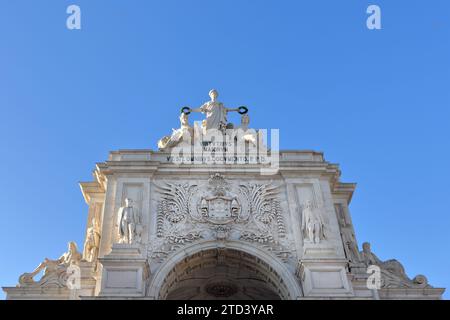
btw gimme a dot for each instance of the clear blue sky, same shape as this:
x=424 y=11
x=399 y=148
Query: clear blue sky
x=376 y=102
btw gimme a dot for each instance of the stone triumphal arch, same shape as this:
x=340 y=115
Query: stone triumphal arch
x=215 y=213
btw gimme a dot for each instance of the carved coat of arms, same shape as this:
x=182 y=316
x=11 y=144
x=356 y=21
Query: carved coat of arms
x=219 y=209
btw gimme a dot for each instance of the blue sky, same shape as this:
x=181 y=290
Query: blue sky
x=376 y=102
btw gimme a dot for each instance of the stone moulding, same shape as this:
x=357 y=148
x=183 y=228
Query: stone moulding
x=264 y=224
x=190 y=209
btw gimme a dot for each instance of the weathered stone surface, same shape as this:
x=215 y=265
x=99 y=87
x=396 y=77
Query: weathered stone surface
x=161 y=230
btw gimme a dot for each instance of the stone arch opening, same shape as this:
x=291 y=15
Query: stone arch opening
x=234 y=271
x=222 y=273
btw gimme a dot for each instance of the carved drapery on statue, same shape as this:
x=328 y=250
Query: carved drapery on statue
x=92 y=242
x=215 y=111
x=128 y=224
x=56 y=272
x=218 y=210
x=184 y=133
x=312 y=223
x=393 y=273
x=347 y=234
x=215 y=123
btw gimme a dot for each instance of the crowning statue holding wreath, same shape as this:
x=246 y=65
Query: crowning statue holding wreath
x=216 y=112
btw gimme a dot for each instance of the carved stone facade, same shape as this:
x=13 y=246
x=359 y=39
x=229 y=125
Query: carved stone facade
x=161 y=230
x=218 y=210
x=215 y=233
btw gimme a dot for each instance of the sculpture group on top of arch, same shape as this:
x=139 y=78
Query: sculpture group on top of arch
x=214 y=127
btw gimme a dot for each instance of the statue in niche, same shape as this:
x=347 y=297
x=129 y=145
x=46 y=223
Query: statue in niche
x=185 y=132
x=128 y=223
x=92 y=243
x=54 y=270
x=312 y=223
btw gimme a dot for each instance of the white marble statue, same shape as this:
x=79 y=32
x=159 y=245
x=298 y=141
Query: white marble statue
x=398 y=276
x=92 y=242
x=127 y=221
x=350 y=247
x=312 y=223
x=245 y=121
x=216 y=118
x=392 y=265
x=72 y=256
x=185 y=131
x=53 y=268
x=249 y=135
x=216 y=112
